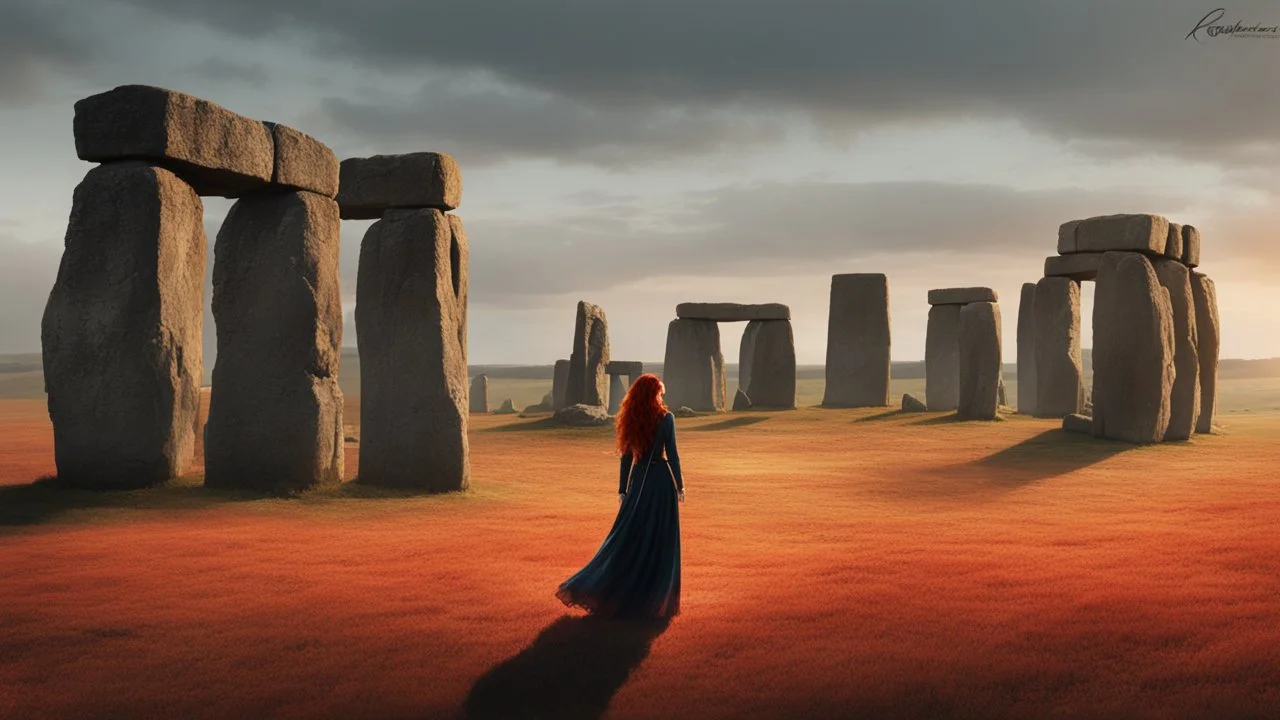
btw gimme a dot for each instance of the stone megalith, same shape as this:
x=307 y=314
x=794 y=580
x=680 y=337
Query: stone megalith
x=980 y=361
x=121 y=332
x=1133 y=351
x=370 y=186
x=479 y=394
x=1190 y=246
x=588 y=384
x=767 y=364
x=410 y=300
x=559 y=382
x=617 y=390
x=942 y=358
x=1184 y=401
x=1208 y=336
x=1059 y=384
x=912 y=404
x=507 y=408
x=857 y=370
x=1027 y=391
x=275 y=409
x=693 y=366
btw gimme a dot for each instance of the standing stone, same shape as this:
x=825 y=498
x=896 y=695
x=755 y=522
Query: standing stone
x=857 y=371
x=1208 y=335
x=1059 y=384
x=1184 y=408
x=617 y=391
x=1133 y=351
x=559 y=383
x=588 y=384
x=480 y=394
x=980 y=361
x=275 y=409
x=121 y=333
x=1027 y=391
x=1173 y=243
x=410 y=305
x=507 y=408
x=942 y=358
x=767 y=364
x=693 y=366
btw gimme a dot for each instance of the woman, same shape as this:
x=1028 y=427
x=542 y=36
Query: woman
x=636 y=571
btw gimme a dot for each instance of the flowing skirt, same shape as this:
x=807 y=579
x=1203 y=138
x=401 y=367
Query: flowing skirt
x=636 y=571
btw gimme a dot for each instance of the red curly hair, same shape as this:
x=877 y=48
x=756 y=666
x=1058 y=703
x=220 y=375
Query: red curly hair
x=639 y=415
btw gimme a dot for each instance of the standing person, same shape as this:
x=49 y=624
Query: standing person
x=636 y=571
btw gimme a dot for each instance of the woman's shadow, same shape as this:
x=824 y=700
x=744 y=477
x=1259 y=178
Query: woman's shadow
x=572 y=670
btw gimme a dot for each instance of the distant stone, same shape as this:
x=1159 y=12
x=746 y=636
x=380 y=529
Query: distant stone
x=693 y=366
x=858 y=340
x=1027 y=350
x=1000 y=396
x=370 y=186
x=741 y=401
x=1134 y=233
x=631 y=368
x=302 y=162
x=685 y=411
x=732 y=312
x=911 y=404
x=559 y=383
x=962 y=296
x=1208 y=338
x=583 y=416
x=587 y=382
x=942 y=358
x=507 y=408
x=1184 y=400
x=1067 y=237
x=1173 y=245
x=548 y=400
x=479 y=394
x=1078 y=266
x=767 y=364
x=1077 y=423
x=1059 y=387
x=1133 y=351
x=214 y=150
x=1190 y=246
x=980 y=361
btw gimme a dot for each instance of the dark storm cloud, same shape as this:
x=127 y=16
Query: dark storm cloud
x=34 y=39
x=1118 y=72
x=223 y=70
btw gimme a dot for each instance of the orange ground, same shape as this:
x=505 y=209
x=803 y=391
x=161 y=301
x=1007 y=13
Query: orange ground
x=836 y=564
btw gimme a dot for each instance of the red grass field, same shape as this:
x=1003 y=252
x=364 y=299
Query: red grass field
x=836 y=564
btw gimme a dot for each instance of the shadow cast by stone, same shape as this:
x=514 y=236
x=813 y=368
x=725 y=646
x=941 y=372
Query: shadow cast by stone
x=571 y=670
x=731 y=423
x=46 y=499
x=1050 y=454
x=887 y=415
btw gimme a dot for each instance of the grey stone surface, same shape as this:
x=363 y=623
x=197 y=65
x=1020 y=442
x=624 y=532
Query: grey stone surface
x=213 y=149
x=1208 y=338
x=559 y=384
x=479 y=394
x=302 y=162
x=588 y=383
x=583 y=416
x=1059 y=384
x=1124 y=232
x=911 y=404
x=275 y=409
x=121 y=332
x=1067 y=237
x=857 y=368
x=732 y=312
x=741 y=401
x=1184 y=400
x=1173 y=242
x=1190 y=246
x=693 y=366
x=411 y=295
x=962 y=295
x=942 y=358
x=767 y=364
x=980 y=361
x=1027 y=350
x=369 y=186
x=1077 y=266
x=506 y=408
x=617 y=390
x=631 y=368
x=1077 y=423
x=1133 y=351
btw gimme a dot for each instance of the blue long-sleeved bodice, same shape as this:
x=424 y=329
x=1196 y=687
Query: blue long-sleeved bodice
x=665 y=438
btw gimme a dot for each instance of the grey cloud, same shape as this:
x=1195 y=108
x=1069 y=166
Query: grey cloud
x=34 y=40
x=231 y=71
x=27 y=272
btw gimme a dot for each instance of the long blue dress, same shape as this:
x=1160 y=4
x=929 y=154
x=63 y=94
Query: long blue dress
x=636 y=571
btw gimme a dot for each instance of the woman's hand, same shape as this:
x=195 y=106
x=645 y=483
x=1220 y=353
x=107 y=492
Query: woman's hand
x=621 y=497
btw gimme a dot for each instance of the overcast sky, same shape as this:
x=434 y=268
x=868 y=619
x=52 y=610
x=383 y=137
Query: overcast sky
x=641 y=154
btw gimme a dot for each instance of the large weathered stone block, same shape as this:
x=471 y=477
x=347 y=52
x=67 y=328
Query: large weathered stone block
x=1184 y=400
x=303 y=162
x=1208 y=337
x=559 y=385
x=857 y=370
x=1078 y=266
x=1067 y=237
x=1059 y=384
x=631 y=368
x=767 y=364
x=369 y=186
x=1027 y=391
x=1133 y=351
x=121 y=332
x=732 y=312
x=1173 y=242
x=410 y=299
x=213 y=149
x=962 y=296
x=1190 y=246
x=588 y=383
x=693 y=366
x=980 y=361
x=1125 y=232
x=942 y=358
x=275 y=409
